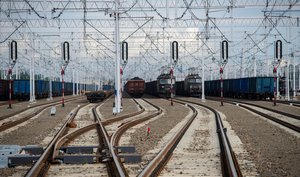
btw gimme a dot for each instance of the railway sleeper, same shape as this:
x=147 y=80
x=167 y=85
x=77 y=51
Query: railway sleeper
x=79 y=158
x=128 y=154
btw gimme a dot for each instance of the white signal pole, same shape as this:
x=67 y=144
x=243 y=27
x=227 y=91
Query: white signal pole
x=73 y=80
x=294 y=76
x=117 y=107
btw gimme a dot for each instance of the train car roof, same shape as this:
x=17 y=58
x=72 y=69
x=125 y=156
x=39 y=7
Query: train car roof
x=162 y=76
x=192 y=76
x=136 y=78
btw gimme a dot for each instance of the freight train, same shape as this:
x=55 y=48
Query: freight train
x=161 y=86
x=135 y=87
x=249 y=88
x=191 y=86
x=21 y=89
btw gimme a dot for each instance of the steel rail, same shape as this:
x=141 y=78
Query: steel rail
x=9 y=124
x=117 y=135
x=71 y=136
x=110 y=147
x=272 y=118
x=229 y=163
x=263 y=107
x=294 y=103
x=281 y=122
x=159 y=161
x=22 y=110
x=41 y=165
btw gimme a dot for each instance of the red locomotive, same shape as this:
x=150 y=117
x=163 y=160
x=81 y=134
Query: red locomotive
x=135 y=87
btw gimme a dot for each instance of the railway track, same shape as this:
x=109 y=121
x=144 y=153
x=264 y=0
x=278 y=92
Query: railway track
x=105 y=149
x=51 y=154
x=37 y=105
x=12 y=120
x=292 y=103
x=282 y=118
x=120 y=130
x=229 y=162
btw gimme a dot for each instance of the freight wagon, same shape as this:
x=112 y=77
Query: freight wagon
x=21 y=89
x=135 y=87
x=4 y=90
x=250 y=88
x=107 y=87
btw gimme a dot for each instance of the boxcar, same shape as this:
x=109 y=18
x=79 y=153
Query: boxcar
x=56 y=88
x=250 y=88
x=41 y=89
x=151 y=88
x=21 y=89
x=4 y=90
x=107 y=87
x=135 y=87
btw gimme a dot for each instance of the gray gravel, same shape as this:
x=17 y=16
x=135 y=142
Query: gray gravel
x=22 y=105
x=280 y=107
x=274 y=151
x=35 y=131
x=159 y=127
x=129 y=106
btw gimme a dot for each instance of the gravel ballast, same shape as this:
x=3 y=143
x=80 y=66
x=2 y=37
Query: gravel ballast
x=274 y=151
x=159 y=127
x=129 y=106
x=22 y=105
x=36 y=131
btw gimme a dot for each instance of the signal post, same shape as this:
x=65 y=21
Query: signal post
x=66 y=58
x=277 y=60
x=174 y=60
x=223 y=62
x=12 y=62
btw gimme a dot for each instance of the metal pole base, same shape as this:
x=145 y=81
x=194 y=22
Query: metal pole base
x=171 y=102
x=9 y=106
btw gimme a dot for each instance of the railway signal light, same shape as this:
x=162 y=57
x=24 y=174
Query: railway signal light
x=124 y=51
x=278 y=50
x=174 y=47
x=171 y=71
x=221 y=70
x=13 y=51
x=224 y=51
x=274 y=70
x=66 y=52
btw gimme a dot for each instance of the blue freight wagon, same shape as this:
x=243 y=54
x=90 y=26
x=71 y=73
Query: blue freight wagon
x=250 y=88
x=21 y=89
x=56 y=88
x=41 y=89
x=107 y=87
